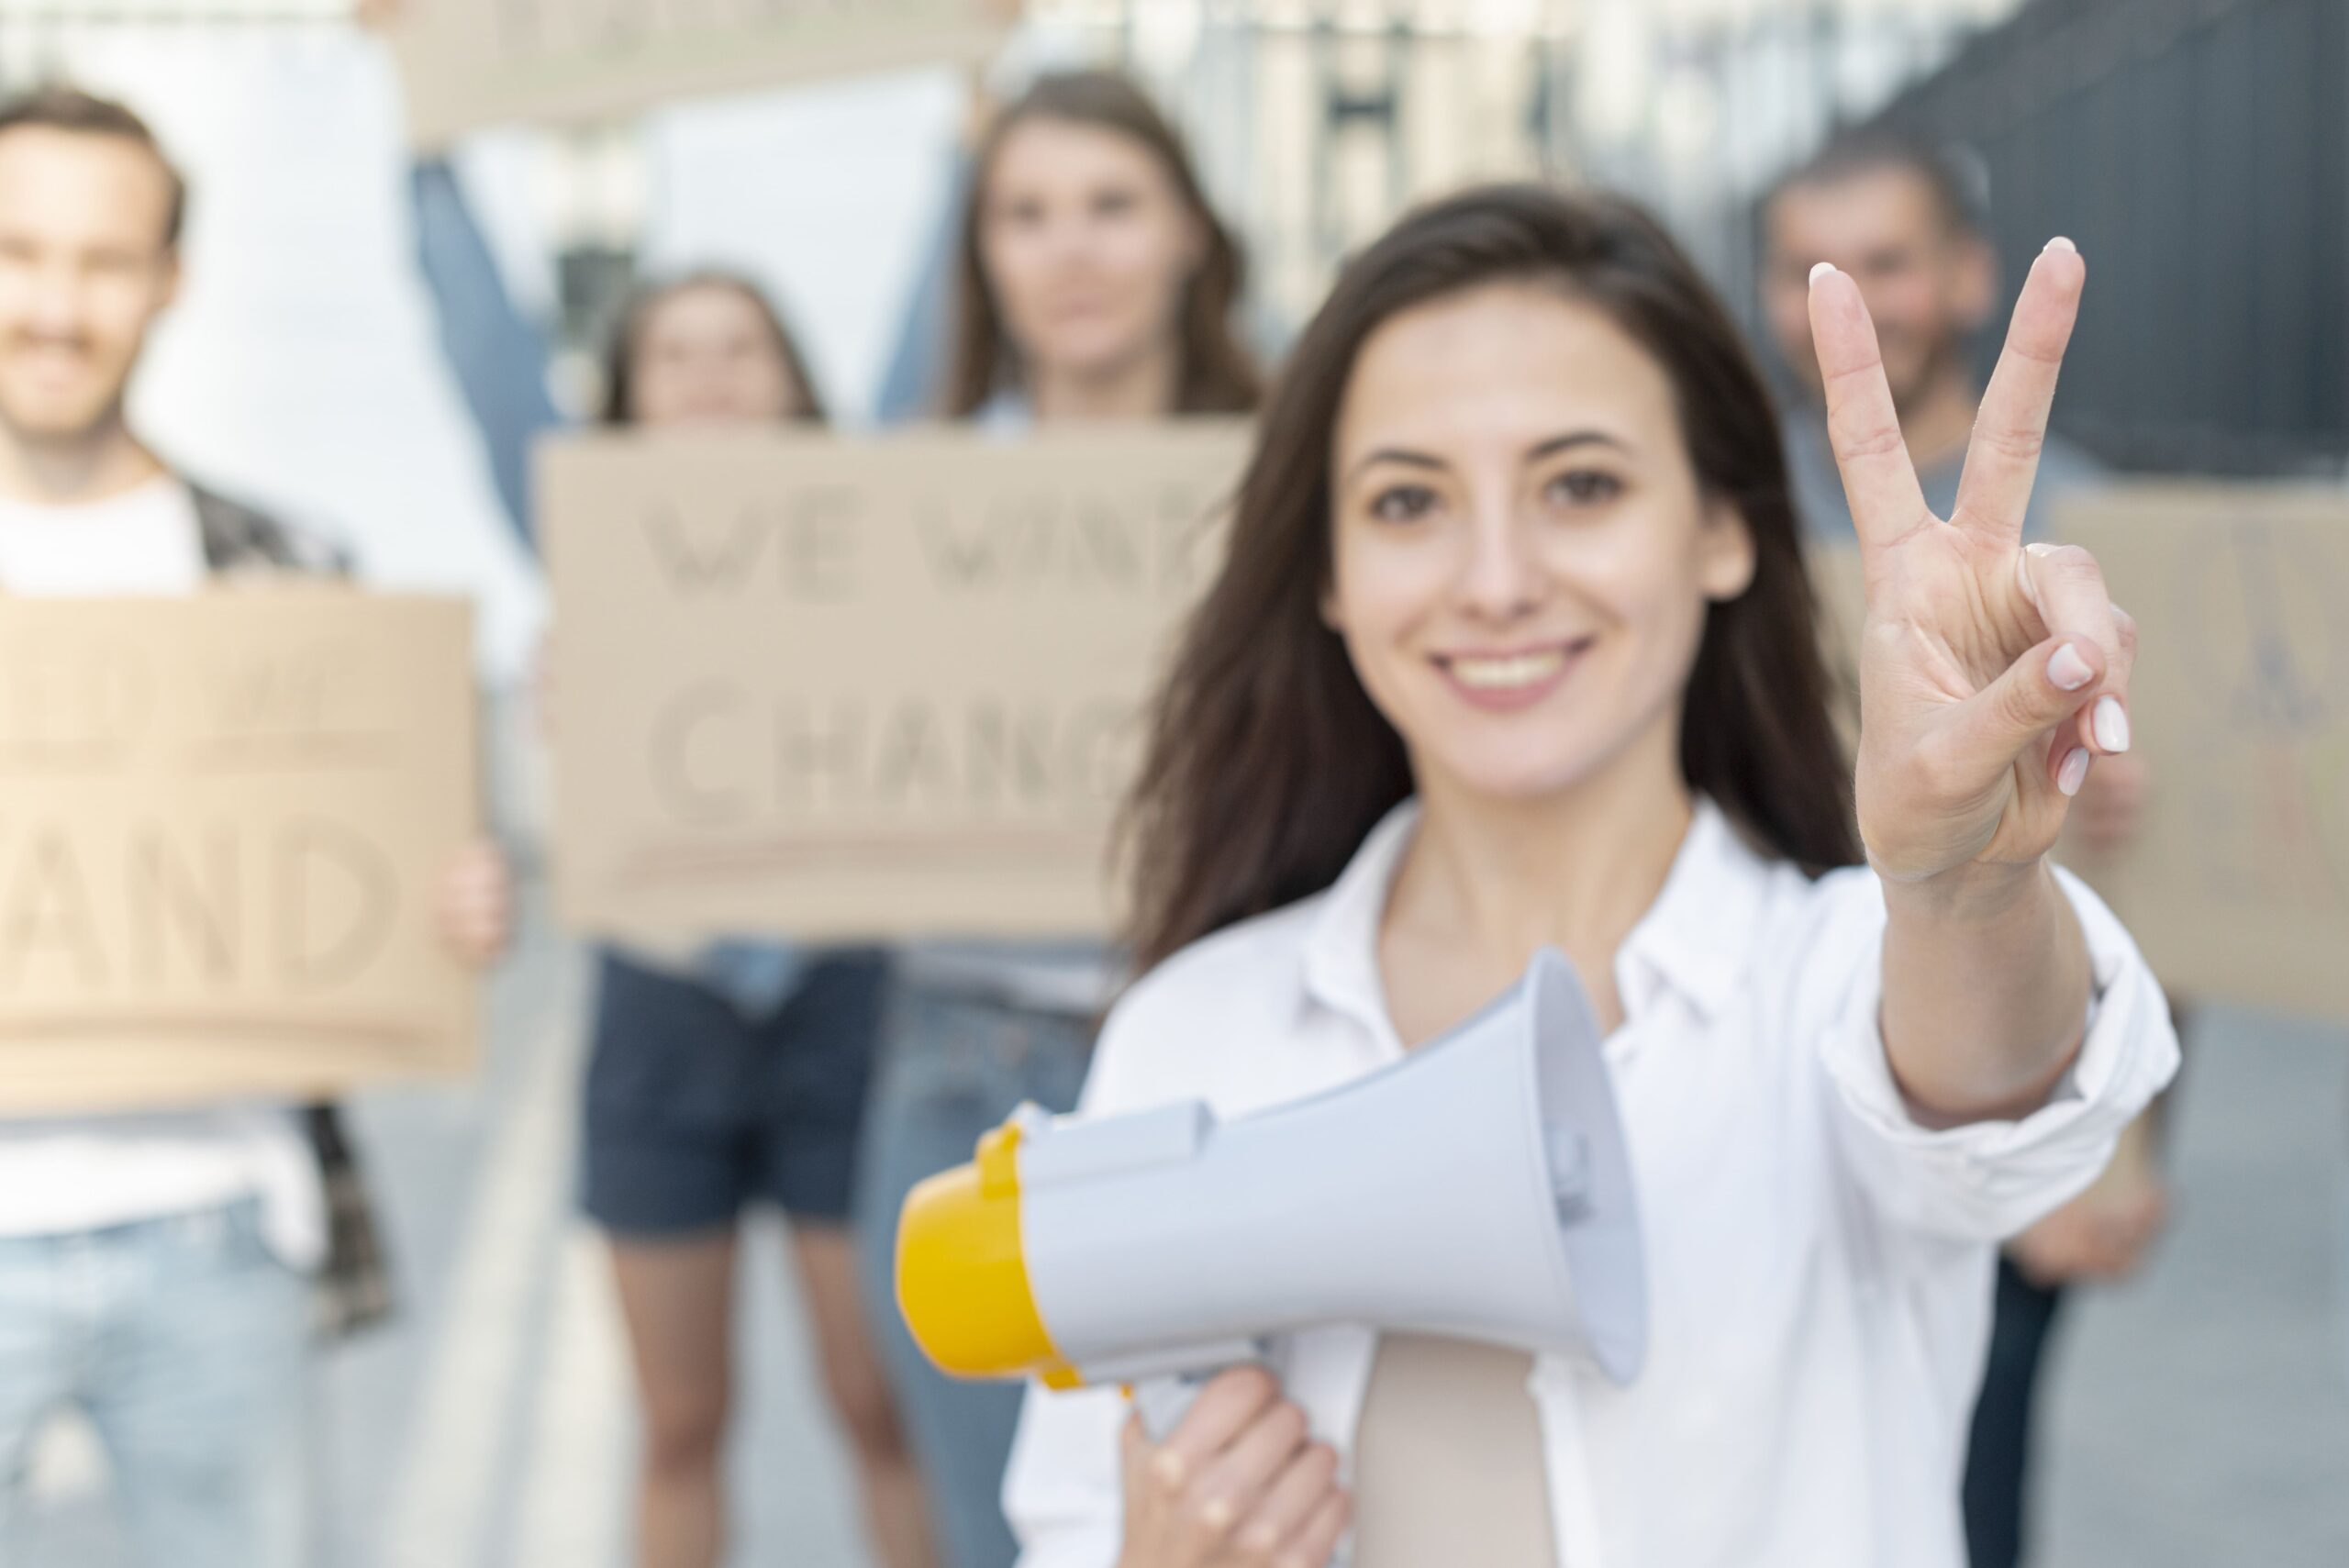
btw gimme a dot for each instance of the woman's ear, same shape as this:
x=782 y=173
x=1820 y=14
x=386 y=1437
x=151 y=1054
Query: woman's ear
x=1725 y=552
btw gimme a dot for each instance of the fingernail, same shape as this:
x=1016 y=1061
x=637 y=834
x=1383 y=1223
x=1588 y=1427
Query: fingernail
x=1216 y=1515
x=2110 y=724
x=2073 y=772
x=2060 y=243
x=1821 y=270
x=2067 y=671
x=1168 y=1467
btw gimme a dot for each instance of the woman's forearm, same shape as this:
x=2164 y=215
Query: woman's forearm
x=1986 y=991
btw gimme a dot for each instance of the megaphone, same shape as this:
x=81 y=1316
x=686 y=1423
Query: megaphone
x=1479 y=1190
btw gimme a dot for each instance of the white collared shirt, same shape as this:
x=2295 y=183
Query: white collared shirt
x=1819 y=1264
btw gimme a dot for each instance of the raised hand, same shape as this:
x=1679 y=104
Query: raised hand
x=476 y=910
x=1992 y=674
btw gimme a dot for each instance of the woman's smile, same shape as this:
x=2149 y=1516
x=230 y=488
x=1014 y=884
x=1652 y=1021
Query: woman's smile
x=1505 y=680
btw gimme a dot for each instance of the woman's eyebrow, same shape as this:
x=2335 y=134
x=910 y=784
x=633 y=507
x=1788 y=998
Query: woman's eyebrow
x=1403 y=455
x=1573 y=438
x=1549 y=448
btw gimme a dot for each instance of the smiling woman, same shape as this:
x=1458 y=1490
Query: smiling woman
x=1513 y=650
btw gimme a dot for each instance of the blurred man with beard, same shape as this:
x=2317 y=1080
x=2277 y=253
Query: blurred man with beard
x=156 y=1269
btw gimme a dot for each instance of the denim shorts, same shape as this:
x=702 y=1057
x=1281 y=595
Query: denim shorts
x=696 y=1111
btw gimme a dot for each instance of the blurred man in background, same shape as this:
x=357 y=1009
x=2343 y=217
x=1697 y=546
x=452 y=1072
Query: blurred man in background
x=155 y=1269
x=1899 y=218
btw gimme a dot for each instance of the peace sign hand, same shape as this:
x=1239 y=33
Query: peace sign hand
x=1991 y=673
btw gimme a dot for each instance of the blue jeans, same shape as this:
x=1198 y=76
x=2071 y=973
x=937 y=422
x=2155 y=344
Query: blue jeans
x=951 y=1068
x=186 y=1342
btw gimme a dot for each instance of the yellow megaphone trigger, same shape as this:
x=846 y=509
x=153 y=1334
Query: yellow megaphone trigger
x=962 y=1282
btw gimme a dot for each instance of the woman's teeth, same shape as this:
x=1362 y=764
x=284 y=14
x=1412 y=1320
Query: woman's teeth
x=1504 y=674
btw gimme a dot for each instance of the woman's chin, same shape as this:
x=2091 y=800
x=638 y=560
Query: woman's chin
x=1514 y=781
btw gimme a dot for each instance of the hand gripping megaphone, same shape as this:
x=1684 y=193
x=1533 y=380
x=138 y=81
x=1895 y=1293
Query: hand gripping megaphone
x=1479 y=1189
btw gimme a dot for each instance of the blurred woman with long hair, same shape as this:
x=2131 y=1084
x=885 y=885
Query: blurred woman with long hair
x=1096 y=284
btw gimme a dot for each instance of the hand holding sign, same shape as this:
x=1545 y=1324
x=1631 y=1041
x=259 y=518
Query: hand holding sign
x=1991 y=673
x=477 y=905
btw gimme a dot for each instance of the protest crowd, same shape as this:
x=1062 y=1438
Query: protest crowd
x=1685 y=660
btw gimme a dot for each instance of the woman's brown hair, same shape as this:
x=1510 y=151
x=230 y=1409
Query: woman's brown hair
x=1267 y=763
x=619 y=356
x=1218 y=374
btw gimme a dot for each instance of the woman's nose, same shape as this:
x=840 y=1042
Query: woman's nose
x=1499 y=577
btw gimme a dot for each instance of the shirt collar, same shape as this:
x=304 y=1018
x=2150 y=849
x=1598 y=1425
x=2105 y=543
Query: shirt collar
x=1694 y=940
x=1342 y=952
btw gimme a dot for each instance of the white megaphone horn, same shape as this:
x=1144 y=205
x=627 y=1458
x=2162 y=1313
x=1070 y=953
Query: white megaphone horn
x=1479 y=1189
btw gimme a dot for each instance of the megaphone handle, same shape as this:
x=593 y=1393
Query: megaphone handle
x=1163 y=1402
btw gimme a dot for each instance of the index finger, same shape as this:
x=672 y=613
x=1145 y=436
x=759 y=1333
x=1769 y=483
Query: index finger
x=1223 y=1410
x=1863 y=427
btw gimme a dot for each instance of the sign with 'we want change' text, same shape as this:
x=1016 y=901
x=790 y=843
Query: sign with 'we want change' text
x=224 y=825
x=862 y=688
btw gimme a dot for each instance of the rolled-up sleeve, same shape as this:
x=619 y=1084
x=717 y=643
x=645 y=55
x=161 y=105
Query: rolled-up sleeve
x=1988 y=1181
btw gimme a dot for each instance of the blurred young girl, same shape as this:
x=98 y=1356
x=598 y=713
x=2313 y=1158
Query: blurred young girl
x=723 y=1078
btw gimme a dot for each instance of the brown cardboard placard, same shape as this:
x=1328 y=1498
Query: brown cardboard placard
x=2239 y=706
x=225 y=821
x=468 y=64
x=862 y=688
x=2238 y=889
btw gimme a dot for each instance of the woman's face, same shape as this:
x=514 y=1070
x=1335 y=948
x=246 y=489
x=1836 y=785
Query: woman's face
x=1087 y=247
x=1522 y=558
x=704 y=355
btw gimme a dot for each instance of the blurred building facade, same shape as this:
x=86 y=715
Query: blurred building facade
x=2198 y=151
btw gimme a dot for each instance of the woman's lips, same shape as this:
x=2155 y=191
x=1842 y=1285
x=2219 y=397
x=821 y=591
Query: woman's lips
x=1503 y=681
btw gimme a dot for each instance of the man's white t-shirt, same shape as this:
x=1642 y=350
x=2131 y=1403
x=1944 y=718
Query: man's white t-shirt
x=60 y=1175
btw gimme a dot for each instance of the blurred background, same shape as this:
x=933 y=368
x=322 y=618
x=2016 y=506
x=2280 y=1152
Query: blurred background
x=2197 y=149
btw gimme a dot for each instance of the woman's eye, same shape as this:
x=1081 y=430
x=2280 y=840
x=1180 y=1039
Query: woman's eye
x=1585 y=487
x=1402 y=504
x=1113 y=204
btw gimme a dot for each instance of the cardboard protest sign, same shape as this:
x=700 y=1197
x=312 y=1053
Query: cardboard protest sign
x=225 y=821
x=2238 y=889
x=2240 y=706
x=861 y=688
x=472 y=63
